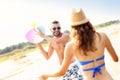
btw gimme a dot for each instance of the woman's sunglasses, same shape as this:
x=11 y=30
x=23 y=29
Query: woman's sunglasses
x=58 y=28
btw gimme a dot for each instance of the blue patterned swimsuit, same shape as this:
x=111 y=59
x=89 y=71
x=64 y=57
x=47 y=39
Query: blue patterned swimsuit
x=94 y=69
x=74 y=72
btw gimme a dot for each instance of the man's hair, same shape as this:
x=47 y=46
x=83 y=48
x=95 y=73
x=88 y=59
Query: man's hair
x=55 y=22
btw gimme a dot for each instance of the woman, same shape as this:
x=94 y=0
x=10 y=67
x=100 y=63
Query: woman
x=88 y=47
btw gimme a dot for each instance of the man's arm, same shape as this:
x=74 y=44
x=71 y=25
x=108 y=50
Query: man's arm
x=46 y=54
x=66 y=62
x=64 y=38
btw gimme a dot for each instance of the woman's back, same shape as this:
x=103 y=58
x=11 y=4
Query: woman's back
x=93 y=64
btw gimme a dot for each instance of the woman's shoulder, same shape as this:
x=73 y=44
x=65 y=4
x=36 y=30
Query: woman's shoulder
x=70 y=43
x=104 y=37
x=102 y=34
x=70 y=46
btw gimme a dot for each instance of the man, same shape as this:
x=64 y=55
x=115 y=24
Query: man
x=58 y=43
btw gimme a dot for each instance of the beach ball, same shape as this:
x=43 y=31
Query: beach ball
x=40 y=27
x=32 y=35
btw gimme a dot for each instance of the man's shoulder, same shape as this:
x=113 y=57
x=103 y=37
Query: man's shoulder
x=65 y=34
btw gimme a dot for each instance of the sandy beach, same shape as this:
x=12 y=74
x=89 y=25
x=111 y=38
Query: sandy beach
x=31 y=66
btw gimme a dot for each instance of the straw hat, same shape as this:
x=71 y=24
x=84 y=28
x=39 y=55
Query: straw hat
x=78 y=18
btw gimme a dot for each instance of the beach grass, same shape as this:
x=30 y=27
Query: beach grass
x=20 y=53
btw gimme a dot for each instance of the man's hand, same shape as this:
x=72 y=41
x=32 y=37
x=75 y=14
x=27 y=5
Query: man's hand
x=39 y=32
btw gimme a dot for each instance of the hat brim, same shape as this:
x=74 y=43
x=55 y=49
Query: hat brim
x=79 y=23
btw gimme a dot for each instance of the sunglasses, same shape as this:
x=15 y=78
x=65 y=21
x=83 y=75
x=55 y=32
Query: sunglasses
x=58 y=28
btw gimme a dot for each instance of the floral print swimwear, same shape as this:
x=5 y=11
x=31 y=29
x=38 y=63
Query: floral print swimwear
x=74 y=72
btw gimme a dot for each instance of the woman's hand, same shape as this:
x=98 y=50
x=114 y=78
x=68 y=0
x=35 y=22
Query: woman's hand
x=43 y=77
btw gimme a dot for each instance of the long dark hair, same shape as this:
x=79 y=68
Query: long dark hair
x=84 y=37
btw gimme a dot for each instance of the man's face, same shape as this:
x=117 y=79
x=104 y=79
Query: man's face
x=56 y=29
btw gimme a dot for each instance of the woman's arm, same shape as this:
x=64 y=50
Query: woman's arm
x=111 y=49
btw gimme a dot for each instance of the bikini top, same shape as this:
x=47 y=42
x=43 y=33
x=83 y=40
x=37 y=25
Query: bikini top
x=95 y=69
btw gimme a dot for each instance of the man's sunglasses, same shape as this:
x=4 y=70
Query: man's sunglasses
x=58 y=28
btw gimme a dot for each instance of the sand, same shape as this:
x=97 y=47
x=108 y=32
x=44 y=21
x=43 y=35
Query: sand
x=31 y=66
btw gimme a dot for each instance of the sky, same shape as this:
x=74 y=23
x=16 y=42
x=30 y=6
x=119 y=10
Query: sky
x=17 y=16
